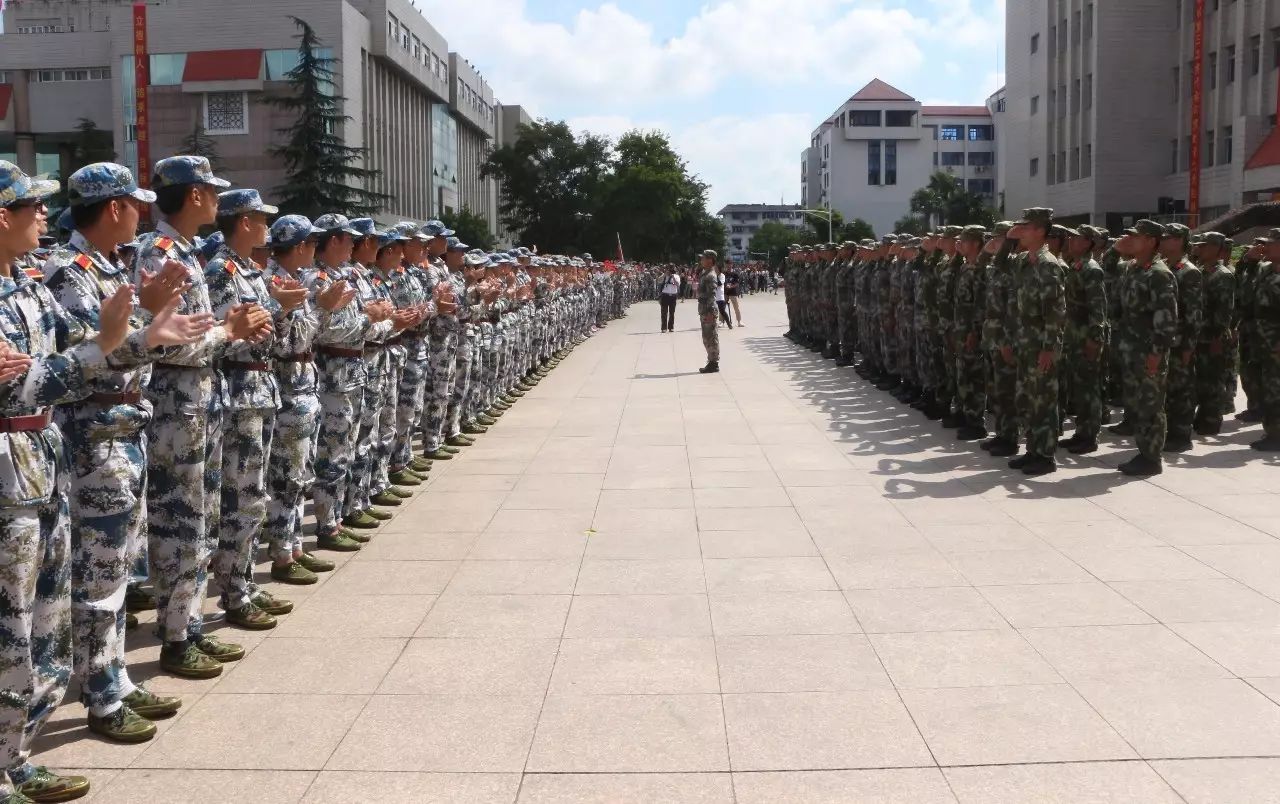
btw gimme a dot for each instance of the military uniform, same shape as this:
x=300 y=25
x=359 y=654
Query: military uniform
x=1215 y=368
x=707 y=314
x=1085 y=347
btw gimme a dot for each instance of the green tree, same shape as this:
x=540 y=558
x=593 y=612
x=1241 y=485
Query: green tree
x=946 y=201
x=855 y=230
x=199 y=143
x=775 y=240
x=322 y=172
x=911 y=224
x=471 y=228
x=91 y=144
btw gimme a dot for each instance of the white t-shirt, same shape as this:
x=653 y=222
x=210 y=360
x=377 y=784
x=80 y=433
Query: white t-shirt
x=719 y=287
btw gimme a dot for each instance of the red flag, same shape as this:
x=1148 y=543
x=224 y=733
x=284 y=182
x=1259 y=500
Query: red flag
x=621 y=258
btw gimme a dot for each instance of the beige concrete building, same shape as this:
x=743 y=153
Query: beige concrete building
x=1098 y=121
x=742 y=221
x=426 y=115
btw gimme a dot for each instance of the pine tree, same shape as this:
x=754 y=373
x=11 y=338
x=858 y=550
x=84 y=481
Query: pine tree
x=199 y=143
x=322 y=173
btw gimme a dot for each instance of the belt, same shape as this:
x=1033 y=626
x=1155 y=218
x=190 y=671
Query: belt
x=123 y=398
x=339 y=351
x=301 y=357
x=180 y=367
x=393 y=341
x=373 y=347
x=25 y=424
x=245 y=365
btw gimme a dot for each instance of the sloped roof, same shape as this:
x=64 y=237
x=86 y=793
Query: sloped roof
x=1268 y=153
x=878 y=90
x=6 y=92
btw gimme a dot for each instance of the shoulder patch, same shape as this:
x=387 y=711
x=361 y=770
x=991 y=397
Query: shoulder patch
x=34 y=273
x=84 y=261
x=164 y=243
x=321 y=275
x=231 y=267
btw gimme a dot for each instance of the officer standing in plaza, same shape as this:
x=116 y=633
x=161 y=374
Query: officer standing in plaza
x=1181 y=400
x=707 y=311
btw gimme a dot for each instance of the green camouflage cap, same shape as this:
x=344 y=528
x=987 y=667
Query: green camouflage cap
x=1216 y=239
x=975 y=233
x=888 y=240
x=1037 y=215
x=1058 y=230
x=915 y=242
x=1002 y=228
x=868 y=242
x=1177 y=230
x=951 y=231
x=1146 y=228
x=904 y=239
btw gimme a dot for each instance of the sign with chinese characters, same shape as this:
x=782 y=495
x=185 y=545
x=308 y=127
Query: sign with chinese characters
x=142 y=89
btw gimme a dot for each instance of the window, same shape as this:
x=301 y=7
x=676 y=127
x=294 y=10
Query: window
x=981 y=159
x=1075 y=28
x=1231 y=64
x=167 y=68
x=1086 y=168
x=1062 y=166
x=982 y=186
x=1173 y=155
x=393 y=27
x=952 y=158
x=404 y=36
x=1035 y=167
x=950 y=133
x=75 y=74
x=226 y=112
x=1255 y=55
x=417 y=48
x=981 y=133
x=1088 y=21
x=1035 y=43
x=1088 y=91
x=1062 y=100
x=899 y=119
x=935 y=158
x=1186 y=152
x=865 y=118
x=1035 y=104
x=1227 y=150
x=873 y=162
x=890 y=162
x=1212 y=62
x=1275 y=47
x=1075 y=96
x=1050 y=173
x=1208 y=149
x=1075 y=163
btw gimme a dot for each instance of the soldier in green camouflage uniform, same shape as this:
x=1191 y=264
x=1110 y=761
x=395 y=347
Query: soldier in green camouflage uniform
x=906 y=319
x=1266 y=317
x=967 y=319
x=1150 y=310
x=948 y=269
x=707 y=312
x=1086 y=340
x=846 y=304
x=1215 y=376
x=1248 y=269
x=999 y=336
x=1180 y=403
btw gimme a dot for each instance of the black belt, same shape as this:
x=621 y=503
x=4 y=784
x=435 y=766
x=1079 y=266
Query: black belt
x=180 y=367
x=301 y=357
x=340 y=351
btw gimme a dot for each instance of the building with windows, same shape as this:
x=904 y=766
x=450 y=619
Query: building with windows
x=1100 y=130
x=742 y=221
x=881 y=145
x=426 y=116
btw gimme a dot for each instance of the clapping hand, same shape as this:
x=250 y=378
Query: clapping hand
x=13 y=364
x=245 y=322
x=289 y=294
x=336 y=296
x=169 y=328
x=157 y=290
x=113 y=319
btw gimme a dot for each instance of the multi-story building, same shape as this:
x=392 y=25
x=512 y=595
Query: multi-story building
x=869 y=157
x=1099 y=123
x=742 y=221
x=425 y=115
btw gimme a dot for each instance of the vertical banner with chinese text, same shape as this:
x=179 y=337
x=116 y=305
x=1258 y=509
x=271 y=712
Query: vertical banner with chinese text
x=142 y=82
x=1197 y=114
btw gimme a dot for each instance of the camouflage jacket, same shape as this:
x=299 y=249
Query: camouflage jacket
x=347 y=328
x=1150 y=306
x=1219 y=301
x=296 y=336
x=1190 y=303
x=969 y=313
x=233 y=280
x=1042 y=302
x=1087 y=301
x=1266 y=306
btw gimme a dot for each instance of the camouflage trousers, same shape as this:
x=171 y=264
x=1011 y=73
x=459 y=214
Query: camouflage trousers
x=184 y=480
x=923 y=364
x=440 y=374
x=409 y=401
x=937 y=357
x=461 y=386
x=1036 y=401
x=888 y=335
x=290 y=471
x=1269 y=371
x=971 y=386
x=108 y=512
x=364 y=460
x=335 y=451
x=1086 y=386
x=848 y=318
x=947 y=377
x=906 y=349
x=1147 y=411
x=1250 y=369
x=710 y=337
x=1003 y=397
x=1180 y=398
x=35 y=619
x=385 y=444
x=244 y=501
x=1215 y=380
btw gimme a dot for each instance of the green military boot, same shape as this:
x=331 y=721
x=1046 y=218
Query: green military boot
x=385 y=499
x=130 y=624
x=293 y=573
x=525 y=386
x=151 y=706
x=451 y=450
x=379 y=514
x=403 y=494
x=271 y=604
x=361 y=520
x=486 y=420
x=458 y=441
x=315 y=563
x=185 y=660
x=251 y=618
x=474 y=429
x=420 y=465
x=405 y=478
x=123 y=726
x=45 y=786
x=439 y=455
x=337 y=542
x=139 y=598
x=511 y=396
x=215 y=648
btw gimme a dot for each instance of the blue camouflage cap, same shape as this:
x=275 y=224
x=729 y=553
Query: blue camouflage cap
x=476 y=257
x=17 y=186
x=410 y=230
x=457 y=245
x=364 y=227
x=290 y=230
x=437 y=229
x=500 y=258
x=524 y=251
x=179 y=170
x=64 y=221
x=333 y=222
x=390 y=236
x=242 y=202
x=103 y=181
x=211 y=245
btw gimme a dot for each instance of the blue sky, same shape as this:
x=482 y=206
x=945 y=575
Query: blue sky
x=738 y=84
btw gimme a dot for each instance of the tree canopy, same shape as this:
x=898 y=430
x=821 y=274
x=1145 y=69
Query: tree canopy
x=471 y=228
x=946 y=201
x=573 y=193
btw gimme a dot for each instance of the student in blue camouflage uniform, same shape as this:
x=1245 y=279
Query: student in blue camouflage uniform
x=442 y=346
x=455 y=250
x=48 y=357
x=411 y=289
x=184 y=437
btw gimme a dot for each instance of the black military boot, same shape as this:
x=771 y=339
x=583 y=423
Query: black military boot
x=973 y=430
x=1142 y=466
x=1003 y=448
x=711 y=368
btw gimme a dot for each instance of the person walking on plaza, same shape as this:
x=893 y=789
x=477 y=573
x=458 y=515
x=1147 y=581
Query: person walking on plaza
x=667 y=298
x=733 y=286
x=721 y=304
x=708 y=286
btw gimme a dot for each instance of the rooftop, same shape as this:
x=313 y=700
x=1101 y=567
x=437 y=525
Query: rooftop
x=878 y=90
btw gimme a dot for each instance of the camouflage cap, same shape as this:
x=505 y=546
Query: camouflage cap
x=364 y=227
x=1063 y=232
x=17 y=186
x=475 y=258
x=179 y=170
x=390 y=237
x=1002 y=228
x=211 y=245
x=457 y=245
x=1037 y=215
x=434 y=228
x=242 y=202
x=290 y=230
x=410 y=230
x=1216 y=239
x=1177 y=230
x=888 y=240
x=904 y=239
x=1146 y=228
x=869 y=242
x=64 y=222
x=915 y=242
x=710 y=253
x=975 y=233
x=951 y=231
x=333 y=222
x=103 y=181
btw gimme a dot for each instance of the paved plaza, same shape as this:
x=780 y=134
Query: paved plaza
x=775 y=584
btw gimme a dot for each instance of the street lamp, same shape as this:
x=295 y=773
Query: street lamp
x=829 y=216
